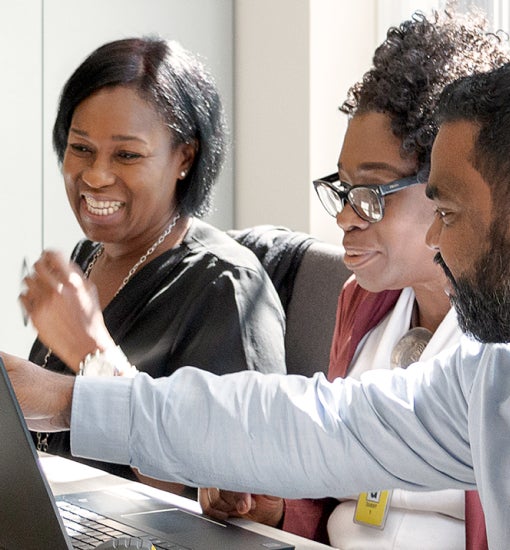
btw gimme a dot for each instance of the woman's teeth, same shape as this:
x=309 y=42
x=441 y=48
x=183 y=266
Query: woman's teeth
x=102 y=208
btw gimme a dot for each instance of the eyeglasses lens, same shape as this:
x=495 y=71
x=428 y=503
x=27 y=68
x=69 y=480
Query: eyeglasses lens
x=367 y=203
x=330 y=200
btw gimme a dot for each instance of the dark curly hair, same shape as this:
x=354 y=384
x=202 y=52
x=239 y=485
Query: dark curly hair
x=413 y=65
x=177 y=85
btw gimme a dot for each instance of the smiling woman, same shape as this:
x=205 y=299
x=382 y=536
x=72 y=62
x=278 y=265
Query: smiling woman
x=140 y=138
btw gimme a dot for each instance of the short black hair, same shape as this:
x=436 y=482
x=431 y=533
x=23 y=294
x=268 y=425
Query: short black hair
x=177 y=85
x=484 y=100
x=413 y=65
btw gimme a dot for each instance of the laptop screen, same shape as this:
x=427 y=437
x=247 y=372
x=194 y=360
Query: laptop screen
x=29 y=519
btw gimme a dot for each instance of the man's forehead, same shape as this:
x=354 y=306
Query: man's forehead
x=451 y=160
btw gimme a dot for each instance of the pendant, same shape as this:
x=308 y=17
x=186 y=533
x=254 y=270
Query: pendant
x=410 y=347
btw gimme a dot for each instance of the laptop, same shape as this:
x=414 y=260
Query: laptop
x=31 y=518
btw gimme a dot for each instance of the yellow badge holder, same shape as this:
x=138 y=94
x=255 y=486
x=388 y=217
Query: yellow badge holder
x=372 y=509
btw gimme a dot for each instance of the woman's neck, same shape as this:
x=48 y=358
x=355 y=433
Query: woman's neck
x=113 y=268
x=122 y=252
x=431 y=307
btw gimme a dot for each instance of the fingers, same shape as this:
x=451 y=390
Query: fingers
x=223 y=504
x=53 y=269
x=50 y=274
x=210 y=504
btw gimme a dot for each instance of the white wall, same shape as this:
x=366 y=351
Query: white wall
x=20 y=144
x=392 y=12
x=294 y=61
x=342 y=44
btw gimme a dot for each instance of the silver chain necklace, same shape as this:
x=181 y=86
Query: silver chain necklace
x=143 y=257
x=42 y=439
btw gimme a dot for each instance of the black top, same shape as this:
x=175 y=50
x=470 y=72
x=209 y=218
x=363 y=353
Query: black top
x=207 y=303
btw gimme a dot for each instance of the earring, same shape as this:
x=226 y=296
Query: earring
x=183 y=174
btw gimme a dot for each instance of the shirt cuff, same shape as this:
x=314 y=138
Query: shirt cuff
x=100 y=418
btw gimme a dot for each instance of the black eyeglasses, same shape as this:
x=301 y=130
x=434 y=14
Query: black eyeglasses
x=366 y=200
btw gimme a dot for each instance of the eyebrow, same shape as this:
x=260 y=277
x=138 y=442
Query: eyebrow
x=431 y=191
x=366 y=166
x=116 y=137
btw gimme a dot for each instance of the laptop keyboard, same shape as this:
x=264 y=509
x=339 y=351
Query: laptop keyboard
x=88 y=529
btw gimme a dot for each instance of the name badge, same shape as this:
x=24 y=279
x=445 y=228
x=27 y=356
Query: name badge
x=372 y=508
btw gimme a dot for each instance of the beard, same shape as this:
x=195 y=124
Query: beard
x=482 y=299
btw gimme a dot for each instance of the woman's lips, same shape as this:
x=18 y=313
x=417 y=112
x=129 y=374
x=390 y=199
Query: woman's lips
x=355 y=259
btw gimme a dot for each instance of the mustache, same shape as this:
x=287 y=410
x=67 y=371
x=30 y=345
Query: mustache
x=438 y=259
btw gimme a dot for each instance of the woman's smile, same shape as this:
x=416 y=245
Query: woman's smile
x=101 y=207
x=358 y=259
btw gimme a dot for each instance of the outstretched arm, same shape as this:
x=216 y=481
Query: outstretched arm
x=271 y=434
x=284 y=435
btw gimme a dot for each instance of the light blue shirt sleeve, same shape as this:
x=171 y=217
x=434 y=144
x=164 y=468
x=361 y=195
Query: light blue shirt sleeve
x=101 y=407
x=432 y=426
x=284 y=435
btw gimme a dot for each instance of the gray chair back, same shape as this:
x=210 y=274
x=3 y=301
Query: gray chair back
x=311 y=313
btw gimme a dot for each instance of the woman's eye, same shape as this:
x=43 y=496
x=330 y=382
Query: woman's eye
x=128 y=155
x=79 y=149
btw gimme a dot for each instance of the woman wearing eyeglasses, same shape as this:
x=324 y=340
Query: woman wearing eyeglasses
x=394 y=310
